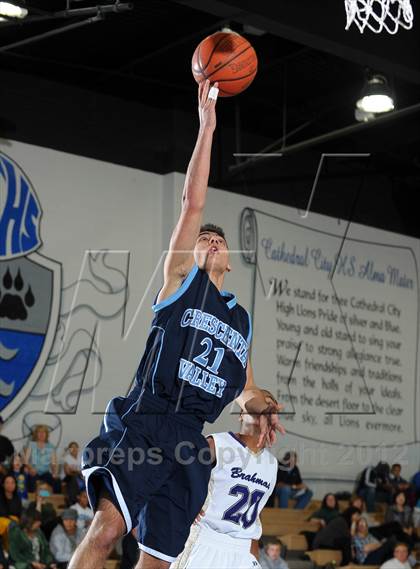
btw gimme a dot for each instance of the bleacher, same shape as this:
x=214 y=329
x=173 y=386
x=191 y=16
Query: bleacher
x=287 y=525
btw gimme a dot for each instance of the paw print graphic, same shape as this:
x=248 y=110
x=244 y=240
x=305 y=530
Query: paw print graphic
x=14 y=299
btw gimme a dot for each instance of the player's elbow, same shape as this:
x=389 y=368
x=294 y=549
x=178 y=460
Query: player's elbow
x=192 y=203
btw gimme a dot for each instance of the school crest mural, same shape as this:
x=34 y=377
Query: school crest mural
x=30 y=287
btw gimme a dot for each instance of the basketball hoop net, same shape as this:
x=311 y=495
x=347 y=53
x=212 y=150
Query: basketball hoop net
x=379 y=14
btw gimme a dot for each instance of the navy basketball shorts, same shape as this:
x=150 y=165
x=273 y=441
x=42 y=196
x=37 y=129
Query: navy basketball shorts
x=156 y=467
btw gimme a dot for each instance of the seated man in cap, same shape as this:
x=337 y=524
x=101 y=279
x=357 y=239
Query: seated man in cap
x=65 y=538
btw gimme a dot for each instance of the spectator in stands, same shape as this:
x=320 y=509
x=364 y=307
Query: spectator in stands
x=327 y=512
x=270 y=556
x=374 y=485
x=290 y=484
x=84 y=511
x=367 y=549
x=45 y=508
x=386 y=530
x=400 y=558
x=6 y=449
x=399 y=484
x=358 y=502
x=65 y=538
x=73 y=476
x=337 y=534
x=20 y=473
x=402 y=514
x=10 y=506
x=41 y=459
x=28 y=546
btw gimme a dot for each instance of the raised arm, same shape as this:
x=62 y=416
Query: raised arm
x=180 y=258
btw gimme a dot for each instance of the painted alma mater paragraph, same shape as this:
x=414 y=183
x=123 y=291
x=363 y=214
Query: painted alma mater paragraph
x=352 y=340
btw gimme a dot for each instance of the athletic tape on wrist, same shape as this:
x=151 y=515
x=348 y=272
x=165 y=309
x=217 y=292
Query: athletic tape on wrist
x=214 y=91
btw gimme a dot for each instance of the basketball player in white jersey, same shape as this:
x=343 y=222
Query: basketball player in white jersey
x=225 y=535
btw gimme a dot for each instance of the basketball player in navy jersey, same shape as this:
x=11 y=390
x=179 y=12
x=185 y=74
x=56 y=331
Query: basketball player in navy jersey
x=194 y=364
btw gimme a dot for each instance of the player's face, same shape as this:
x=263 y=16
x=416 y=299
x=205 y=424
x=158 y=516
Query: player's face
x=211 y=252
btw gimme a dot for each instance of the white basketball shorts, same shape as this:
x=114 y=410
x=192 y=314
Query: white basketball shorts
x=208 y=549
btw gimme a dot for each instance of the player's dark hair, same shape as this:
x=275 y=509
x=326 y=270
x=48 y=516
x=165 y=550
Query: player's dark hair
x=213 y=229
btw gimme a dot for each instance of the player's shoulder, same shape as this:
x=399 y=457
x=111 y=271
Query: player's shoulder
x=270 y=459
x=242 y=311
x=217 y=438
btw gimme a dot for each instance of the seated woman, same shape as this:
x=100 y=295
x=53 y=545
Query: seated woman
x=10 y=506
x=401 y=516
x=28 y=546
x=41 y=460
x=20 y=473
x=42 y=505
x=367 y=549
x=337 y=534
x=327 y=512
x=358 y=502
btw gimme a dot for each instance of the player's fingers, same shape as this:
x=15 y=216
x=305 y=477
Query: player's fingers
x=263 y=431
x=272 y=437
x=214 y=93
x=204 y=94
x=276 y=425
x=280 y=428
x=212 y=96
x=261 y=440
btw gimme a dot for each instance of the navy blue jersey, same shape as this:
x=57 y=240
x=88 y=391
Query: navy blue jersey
x=197 y=350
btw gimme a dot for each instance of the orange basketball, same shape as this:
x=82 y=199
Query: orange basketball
x=229 y=59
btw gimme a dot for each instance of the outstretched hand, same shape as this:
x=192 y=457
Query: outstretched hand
x=206 y=105
x=269 y=424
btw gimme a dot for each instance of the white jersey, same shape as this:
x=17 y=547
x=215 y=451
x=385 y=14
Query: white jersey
x=240 y=484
